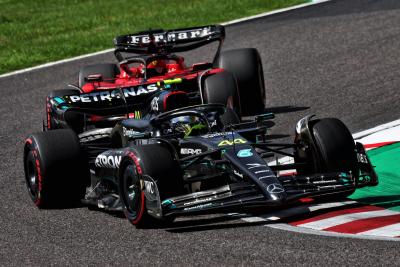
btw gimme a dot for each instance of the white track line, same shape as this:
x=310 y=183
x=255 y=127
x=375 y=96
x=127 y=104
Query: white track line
x=315 y=2
x=376 y=129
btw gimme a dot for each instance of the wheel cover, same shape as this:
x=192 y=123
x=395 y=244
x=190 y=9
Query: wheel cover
x=31 y=176
x=132 y=193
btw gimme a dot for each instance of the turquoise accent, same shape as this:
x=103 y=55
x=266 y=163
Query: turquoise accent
x=59 y=100
x=167 y=202
x=244 y=153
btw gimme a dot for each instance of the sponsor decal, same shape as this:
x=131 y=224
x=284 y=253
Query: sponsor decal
x=108 y=161
x=362 y=158
x=154 y=104
x=255 y=165
x=190 y=151
x=171 y=36
x=275 y=188
x=236 y=141
x=197 y=201
x=244 y=153
x=261 y=171
x=198 y=207
x=115 y=94
x=213 y=135
x=135 y=115
x=149 y=187
x=129 y=133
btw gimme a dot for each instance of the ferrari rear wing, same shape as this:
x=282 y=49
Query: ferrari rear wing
x=169 y=41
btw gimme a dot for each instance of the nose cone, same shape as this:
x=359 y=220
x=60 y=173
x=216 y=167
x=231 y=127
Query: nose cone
x=276 y=192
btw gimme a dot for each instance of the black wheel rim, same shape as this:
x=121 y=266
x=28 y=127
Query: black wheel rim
x=131 y=192
x=31 y=175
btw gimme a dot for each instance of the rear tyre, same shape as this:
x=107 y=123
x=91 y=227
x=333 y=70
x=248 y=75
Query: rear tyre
x=107 y=71
x=56 y=170
x=245 y=64
x=221 y=88
x=156 y=162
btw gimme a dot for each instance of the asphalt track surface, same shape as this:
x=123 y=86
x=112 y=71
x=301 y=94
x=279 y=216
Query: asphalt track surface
x=341 y=59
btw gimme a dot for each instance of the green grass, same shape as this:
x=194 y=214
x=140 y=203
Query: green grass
x=35 y=32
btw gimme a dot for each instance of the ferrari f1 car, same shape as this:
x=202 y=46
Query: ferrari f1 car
x=193 y=160
x=149 y=71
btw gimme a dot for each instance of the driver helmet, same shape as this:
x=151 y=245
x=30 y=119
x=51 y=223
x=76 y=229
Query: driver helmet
x=189 y=125
x=157 y=67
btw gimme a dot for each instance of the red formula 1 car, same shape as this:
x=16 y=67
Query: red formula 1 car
x=151 y=78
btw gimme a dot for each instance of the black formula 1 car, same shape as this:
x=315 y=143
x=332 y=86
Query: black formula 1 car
x=151 y=77
x=193 y=160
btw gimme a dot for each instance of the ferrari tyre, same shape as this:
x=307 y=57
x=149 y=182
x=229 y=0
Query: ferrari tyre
x=245 y=64
x=221 y=88
x=156 y=162
x=107 y=71
x=56 y=170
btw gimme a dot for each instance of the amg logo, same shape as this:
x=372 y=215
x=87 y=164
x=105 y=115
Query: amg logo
x=108 y=96
x=190 y=151
x=171 y=36
x=108 y=161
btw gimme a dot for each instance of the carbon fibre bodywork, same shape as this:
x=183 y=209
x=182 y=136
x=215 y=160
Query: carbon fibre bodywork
x=221 y=172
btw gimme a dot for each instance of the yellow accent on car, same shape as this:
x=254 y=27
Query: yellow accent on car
x=237 y=141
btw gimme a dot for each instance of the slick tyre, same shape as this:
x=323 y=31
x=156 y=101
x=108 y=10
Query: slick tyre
x=335 y=149
x=335 y=145
x=75 y=120
x=245 y=64
x=56 y=170
x=107 y=71
x=157 y=162
x=222 y=88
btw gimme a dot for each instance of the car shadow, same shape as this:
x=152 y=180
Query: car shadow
x=386 y=202
x=284 y=109
x=205 y=224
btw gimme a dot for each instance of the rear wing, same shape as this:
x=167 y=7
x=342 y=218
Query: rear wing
x=169 y=41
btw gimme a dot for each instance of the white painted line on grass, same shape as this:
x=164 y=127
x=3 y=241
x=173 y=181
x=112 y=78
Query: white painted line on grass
x=56 y=63
x=270 y=13
x=49 y=64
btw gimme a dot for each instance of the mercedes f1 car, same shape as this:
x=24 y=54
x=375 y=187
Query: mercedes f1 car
x=193 y=160
x=149 y=72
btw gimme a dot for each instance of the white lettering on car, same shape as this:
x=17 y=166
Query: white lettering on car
x=108 y=96
x=190 y=151
x=104 y=161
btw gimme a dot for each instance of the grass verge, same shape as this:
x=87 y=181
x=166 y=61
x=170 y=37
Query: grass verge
x=36 y=32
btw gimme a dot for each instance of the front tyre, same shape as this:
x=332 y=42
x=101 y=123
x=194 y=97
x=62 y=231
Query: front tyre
x=156 y=162
x=133 y=196
x=333 y=150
